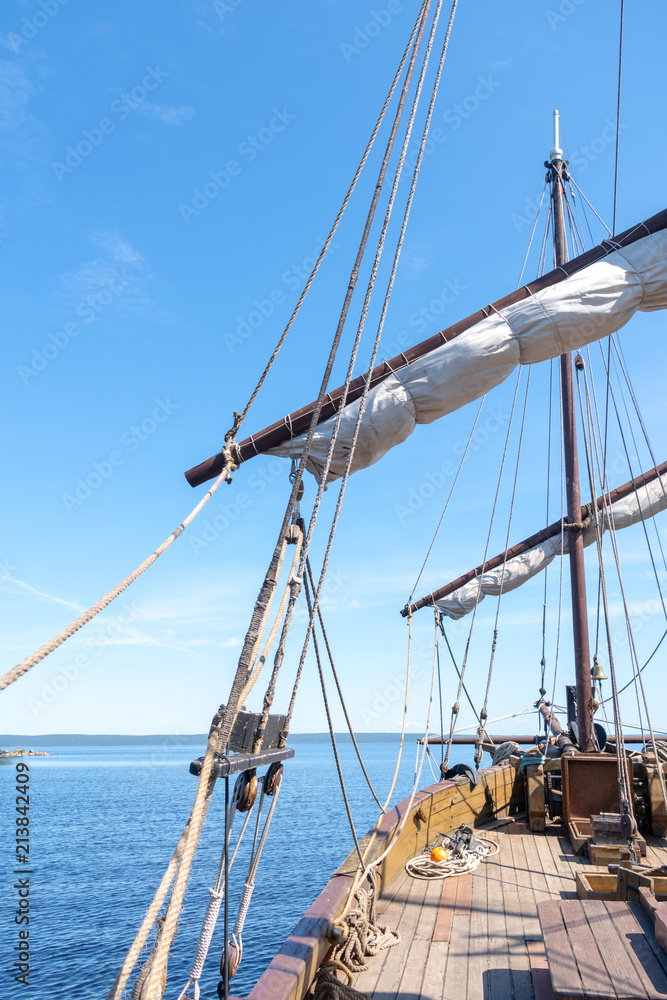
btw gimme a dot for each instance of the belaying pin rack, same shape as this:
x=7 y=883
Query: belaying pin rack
x=240 y=758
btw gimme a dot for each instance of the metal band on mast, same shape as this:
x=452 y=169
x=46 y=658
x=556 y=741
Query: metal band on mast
x=582 y=663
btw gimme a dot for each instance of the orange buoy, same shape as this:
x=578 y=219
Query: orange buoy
x=439 y=854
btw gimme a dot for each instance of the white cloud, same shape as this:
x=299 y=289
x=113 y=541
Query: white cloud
x=170 y=116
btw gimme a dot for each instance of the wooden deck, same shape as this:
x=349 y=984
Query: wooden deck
x=478 y=936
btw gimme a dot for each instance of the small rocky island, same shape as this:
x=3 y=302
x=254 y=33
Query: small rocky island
x=20 y=752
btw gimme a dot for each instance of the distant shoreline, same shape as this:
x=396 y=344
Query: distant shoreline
x=10 y=741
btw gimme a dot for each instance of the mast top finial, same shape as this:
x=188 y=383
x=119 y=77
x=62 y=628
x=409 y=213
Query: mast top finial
x=556 y=153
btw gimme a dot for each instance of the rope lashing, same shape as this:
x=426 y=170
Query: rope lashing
x=231 y=465
x=586 y=519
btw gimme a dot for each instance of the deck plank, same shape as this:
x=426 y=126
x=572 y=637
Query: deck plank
x=620 y=968
x=637 y=946
x=562 y=964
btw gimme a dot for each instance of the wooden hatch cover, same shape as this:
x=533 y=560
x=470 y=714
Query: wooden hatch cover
x=602 y=950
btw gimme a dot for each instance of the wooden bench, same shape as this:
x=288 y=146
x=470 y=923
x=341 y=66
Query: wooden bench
x=599 y=949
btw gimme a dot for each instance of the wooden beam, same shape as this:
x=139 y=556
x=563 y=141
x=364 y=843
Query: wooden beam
x=299 y=421
x=643 y=479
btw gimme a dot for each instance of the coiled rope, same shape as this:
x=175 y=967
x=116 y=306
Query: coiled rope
x=459 y=863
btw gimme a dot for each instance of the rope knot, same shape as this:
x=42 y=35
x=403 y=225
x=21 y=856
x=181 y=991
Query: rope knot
x=230 y=444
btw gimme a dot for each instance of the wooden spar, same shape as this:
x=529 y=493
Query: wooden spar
x=522 y=739
x=299 y=421
x=582 y=658
x=540 y=536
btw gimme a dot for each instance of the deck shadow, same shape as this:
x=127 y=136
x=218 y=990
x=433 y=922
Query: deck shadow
x=501 y=984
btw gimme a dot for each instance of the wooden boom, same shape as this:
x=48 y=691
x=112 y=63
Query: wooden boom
x=540 y=536
x=298 y=422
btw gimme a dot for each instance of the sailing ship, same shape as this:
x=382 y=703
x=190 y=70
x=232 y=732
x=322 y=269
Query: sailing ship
x=465 y=888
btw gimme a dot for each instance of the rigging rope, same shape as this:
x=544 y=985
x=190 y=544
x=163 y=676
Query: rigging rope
x=341 y=212
x=449 y=497
x=370 y=287
x=340 y=694
x=243 y=671
x=608 y=513
x=484 y=713
x=456 y=706
x=30 y=661
x=618 y=110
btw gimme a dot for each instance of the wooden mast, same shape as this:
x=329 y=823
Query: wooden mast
x=576 y=539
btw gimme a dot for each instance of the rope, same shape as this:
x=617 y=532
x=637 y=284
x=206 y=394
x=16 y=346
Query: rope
x=504 y=752
x=447 y=502
x=484 y=713
x=623 y=780
x=329 y=987
x=145 y=969
x=461 y=862
x=530 y=241
x=374 y=865
x=457 y=704
x=219 y=740
x=340 y=694
x=618 y=111
x=363 y=937
x=332 y=232
x=360 y=328
x=30 y=661
x=639 y=683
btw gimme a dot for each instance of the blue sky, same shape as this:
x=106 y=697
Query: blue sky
x=138 y=312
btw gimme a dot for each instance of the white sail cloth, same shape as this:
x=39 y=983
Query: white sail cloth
x=643 y=503
x=587 y=306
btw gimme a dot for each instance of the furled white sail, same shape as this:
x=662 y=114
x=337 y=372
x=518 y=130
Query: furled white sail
x=643 y=503
x=585 y=307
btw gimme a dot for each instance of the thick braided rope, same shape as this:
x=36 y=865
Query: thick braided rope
x=30 y=661
x=148 y=921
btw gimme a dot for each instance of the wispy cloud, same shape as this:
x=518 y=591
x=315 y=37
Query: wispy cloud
x=170 y=116
x=28 y=588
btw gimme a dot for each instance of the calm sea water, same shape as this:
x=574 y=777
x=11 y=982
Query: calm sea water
x=104 y=824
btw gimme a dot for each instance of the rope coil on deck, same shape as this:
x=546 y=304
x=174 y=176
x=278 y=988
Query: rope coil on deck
x=460 y=862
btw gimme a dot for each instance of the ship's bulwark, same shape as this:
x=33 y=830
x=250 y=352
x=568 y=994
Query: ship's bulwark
x=589 y=305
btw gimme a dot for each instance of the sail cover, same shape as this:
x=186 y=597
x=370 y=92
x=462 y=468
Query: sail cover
x=644 y=502
x=586 y=306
